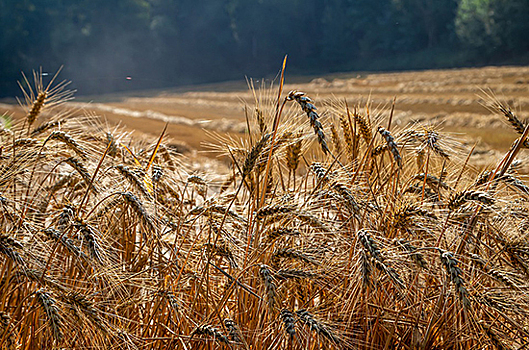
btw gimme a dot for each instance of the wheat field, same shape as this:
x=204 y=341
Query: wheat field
x=340 y=224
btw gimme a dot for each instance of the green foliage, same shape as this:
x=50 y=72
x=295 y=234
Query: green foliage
x=495 y=27
x=170 y=42
x=6 y=121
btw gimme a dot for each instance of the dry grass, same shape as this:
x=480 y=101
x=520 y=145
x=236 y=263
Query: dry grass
x=108 y=242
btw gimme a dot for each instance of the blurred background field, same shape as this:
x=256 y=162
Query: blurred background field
x=454 y=100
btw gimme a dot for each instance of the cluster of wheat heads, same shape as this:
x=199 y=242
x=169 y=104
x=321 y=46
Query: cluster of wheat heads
x=361 y=235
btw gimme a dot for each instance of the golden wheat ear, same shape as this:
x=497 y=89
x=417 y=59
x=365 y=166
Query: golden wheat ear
x=308 y=107
x=55 y=320
x=40 y=96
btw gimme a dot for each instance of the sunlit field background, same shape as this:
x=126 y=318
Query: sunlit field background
x=455 y=101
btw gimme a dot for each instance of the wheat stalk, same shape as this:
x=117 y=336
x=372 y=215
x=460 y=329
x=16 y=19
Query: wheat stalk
x=309 y=108
x=454 y=272
x=49 y=306
x=288 y=322
x=210 y=331
x=392 y=146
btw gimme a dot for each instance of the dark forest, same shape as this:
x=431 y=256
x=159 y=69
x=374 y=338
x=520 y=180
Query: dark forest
x=162 y=43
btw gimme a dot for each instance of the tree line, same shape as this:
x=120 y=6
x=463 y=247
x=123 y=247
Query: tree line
x=161 y=43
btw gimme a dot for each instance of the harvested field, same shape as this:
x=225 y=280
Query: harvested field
x=453 y=99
